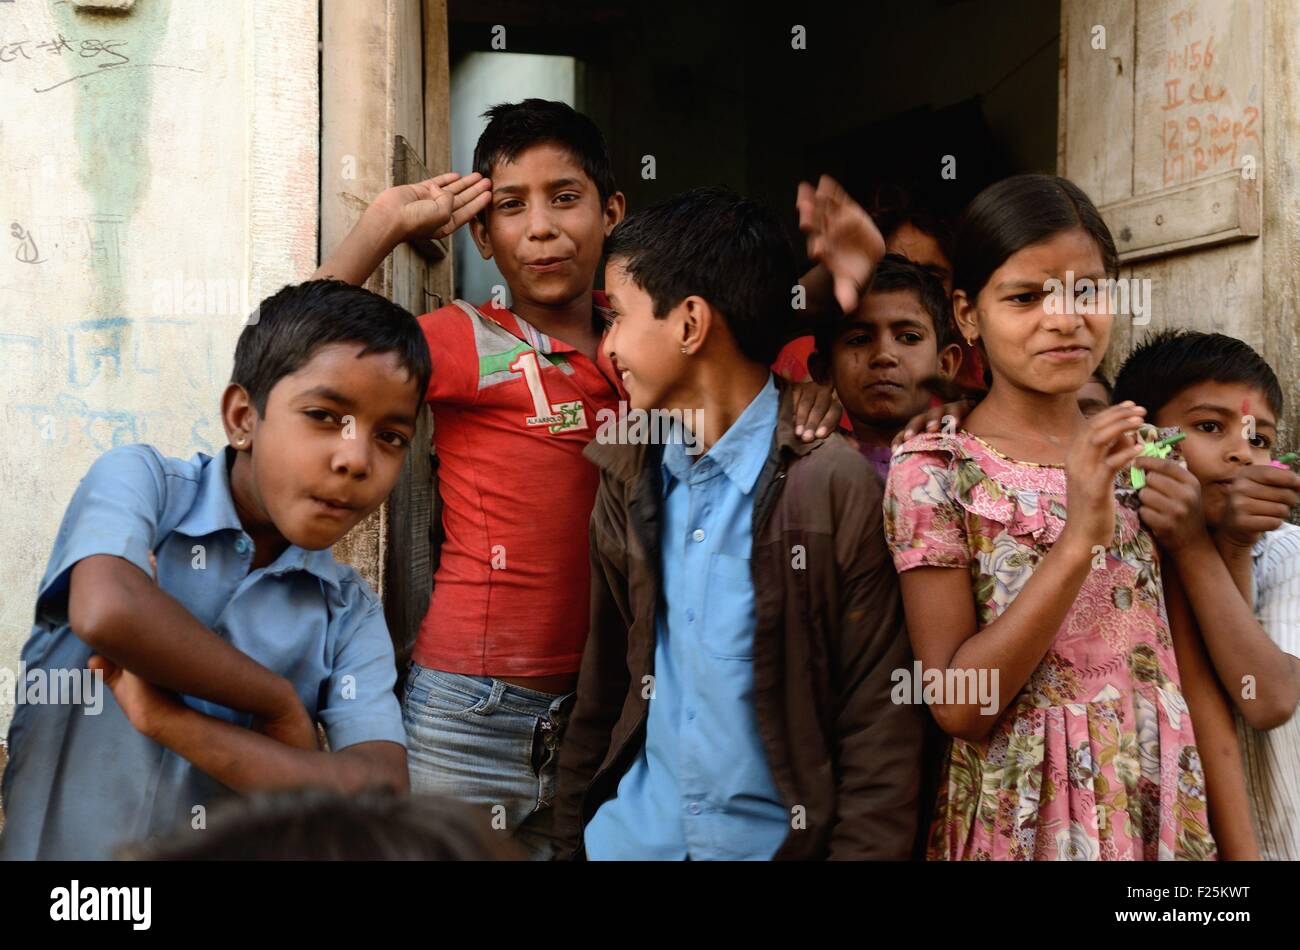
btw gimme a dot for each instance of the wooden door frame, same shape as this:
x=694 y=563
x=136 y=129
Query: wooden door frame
x=385 y=115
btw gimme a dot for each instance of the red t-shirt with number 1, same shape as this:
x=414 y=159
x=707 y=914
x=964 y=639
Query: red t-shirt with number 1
x=512 y=411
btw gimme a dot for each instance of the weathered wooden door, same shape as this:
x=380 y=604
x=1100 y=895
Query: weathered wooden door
x=385 y=119
x=1180 y=120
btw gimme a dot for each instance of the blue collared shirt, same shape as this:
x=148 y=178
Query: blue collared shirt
x=81 y=780
x=701 y=786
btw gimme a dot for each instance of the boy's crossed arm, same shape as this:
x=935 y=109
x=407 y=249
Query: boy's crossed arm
x=120 y=613
x=245 y=760
x=144 y=636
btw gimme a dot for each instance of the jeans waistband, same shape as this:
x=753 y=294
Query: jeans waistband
x=501 y=693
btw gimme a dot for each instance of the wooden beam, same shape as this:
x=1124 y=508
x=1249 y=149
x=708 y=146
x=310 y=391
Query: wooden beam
x=407 y=170
x=1216 y=209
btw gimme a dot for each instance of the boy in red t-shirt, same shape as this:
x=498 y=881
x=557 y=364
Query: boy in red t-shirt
x=515 y=394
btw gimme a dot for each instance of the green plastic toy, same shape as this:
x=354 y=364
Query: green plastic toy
x=1160 y=449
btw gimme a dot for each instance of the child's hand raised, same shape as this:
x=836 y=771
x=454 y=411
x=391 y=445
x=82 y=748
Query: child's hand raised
x=1104 y=447
x=436 y=207
x=841 y=237
x=1259 y=500
x=1171 y=504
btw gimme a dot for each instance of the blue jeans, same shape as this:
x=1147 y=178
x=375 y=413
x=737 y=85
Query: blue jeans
x=489 y=744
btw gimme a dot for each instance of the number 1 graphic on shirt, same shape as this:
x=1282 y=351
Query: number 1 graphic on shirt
x=527 y=364
x=561 y=417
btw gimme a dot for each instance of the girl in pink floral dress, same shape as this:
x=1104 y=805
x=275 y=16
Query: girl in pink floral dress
x=1090 y=752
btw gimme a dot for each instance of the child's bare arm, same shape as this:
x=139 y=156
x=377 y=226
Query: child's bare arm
x=428 y=209
x=245 y=760
x=941 y=613
x=1227 y=801
x=942 y=624
x=1242 y=653
x=119 y=612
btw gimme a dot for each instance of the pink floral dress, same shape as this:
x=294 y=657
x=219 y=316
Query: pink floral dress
x=1095 y=758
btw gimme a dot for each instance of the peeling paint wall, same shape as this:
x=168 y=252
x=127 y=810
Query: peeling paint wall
x=160 y=176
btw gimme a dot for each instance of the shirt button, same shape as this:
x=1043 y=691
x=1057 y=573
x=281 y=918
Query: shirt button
x=698 y=534
x=690 y=714
x=241 y=545
x=690 y=615
x=694 y=808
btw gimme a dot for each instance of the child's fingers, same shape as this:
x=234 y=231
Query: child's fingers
x=103 y=665
x=826 y=411
x=459 y=184
x=1158 y=521
x=1267 y=475
x=800 y=409
x=464 y=212
x=1267 y=512
x=1257 y=492
x=1170 y=472
x=847 y=293
x=441 y=181
x=1172 y=492
x=1106 y=426
x=1260 y=523
x=474 y=192
x=1120 y=458
x=478 y=195
x=828 y=189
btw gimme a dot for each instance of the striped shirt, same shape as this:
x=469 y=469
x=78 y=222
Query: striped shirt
x=1272 y=758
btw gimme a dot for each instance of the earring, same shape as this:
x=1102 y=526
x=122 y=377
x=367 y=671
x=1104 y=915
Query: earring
x=684 y=350
x=239 y=443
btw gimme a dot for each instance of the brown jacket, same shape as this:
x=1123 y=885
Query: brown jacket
x=828 y=636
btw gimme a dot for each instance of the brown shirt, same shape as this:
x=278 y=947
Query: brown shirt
x=828 y=636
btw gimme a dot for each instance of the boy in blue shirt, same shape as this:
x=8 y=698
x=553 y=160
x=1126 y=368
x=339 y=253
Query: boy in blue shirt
x=734 y=700
x=205 y=595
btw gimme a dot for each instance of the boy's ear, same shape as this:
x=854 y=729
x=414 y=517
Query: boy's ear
x=479 y=232
x=696 y=322
x=950 y=361
x=615 y=209
x=238 y=416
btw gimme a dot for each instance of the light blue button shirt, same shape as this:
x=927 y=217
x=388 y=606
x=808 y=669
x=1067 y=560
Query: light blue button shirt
x=80 y=782
x=701 y=786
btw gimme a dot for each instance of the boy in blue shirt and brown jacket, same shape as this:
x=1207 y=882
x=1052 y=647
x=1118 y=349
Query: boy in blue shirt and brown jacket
x=734 y=696
x=204 y=594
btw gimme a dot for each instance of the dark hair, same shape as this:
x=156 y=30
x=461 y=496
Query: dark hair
x=721 y=246
x=289 y=326
x=516 y=126
x=893 y=206
x=1167 y=363
x=1017 y=212
x=896 y=272
x=319 y=824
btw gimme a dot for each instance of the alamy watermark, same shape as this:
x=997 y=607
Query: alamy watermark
x=1130 y=297
x=53 y=687
x=651 y=427
x=947 y=687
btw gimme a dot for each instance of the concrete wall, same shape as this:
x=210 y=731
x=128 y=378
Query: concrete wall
x=160 y=172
